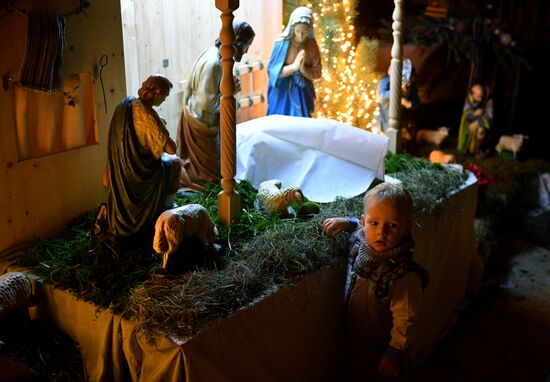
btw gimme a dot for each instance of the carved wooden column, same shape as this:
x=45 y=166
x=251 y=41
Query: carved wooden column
x=395 y=78
x=229 y=203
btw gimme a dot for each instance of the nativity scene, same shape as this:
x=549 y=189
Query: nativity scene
x=188 y=239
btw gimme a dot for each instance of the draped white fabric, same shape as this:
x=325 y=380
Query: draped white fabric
x=325 y=158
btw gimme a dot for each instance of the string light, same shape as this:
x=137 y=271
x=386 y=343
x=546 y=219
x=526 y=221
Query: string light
x=346 y=92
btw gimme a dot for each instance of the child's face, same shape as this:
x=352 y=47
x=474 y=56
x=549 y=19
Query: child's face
x=384 y=224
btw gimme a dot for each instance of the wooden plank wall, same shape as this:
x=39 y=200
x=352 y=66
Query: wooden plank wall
x=38 y=196
x=178 y=31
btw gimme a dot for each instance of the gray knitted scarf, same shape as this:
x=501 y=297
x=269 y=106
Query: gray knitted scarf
x=384 y=268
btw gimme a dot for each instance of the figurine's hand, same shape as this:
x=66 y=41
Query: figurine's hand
x=478 y=112
x=389 y=367
x=299 y=60
x=406 y=103
x=333 y=226
x=238 y=87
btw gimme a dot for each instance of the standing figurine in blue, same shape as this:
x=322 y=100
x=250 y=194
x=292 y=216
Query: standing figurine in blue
x=409 y=93
x=295 y=62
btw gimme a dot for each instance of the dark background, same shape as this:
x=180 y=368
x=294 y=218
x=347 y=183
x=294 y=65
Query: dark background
x=520 y=96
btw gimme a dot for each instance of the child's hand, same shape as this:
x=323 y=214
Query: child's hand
x=389 y=367
x=334 y=226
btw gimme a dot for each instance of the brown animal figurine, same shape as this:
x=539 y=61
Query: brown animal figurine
x=177 y=224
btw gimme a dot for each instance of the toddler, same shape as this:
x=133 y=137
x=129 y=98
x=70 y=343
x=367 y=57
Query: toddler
x=384 y=285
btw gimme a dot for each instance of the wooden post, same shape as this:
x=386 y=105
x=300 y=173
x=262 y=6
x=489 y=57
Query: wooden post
x=228 y=200
x=395 y=79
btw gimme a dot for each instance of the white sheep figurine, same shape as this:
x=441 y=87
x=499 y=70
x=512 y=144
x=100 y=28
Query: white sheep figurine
x=177 y=224
x=275 y=199
x=438 y=156
x=15 y=292
x=434 y=137
x=512 y=143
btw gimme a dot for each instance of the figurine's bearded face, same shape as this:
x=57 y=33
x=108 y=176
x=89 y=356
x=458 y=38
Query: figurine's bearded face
x=240 y=49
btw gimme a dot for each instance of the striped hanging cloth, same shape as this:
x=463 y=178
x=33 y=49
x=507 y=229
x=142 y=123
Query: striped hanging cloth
x=42 y=65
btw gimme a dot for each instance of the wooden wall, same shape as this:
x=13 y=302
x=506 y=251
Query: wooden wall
x=39 y=196
x=178 y=31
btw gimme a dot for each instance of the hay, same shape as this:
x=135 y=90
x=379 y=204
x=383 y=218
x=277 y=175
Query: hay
x=428 y=183
x=92 y=270
x=184 y=305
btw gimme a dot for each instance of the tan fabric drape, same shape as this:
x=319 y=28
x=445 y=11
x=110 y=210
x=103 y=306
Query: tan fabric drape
x=50 y=123
x=111 y=348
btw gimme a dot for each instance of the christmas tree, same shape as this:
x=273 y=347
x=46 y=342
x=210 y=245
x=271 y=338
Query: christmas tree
x=347 y=90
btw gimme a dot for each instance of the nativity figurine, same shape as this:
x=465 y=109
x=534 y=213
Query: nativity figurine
x=294 y=64
x=142 y=174
x=199 y=126
x=175 y=225
x=410 y=99
x=275 y=199
x=477 y=117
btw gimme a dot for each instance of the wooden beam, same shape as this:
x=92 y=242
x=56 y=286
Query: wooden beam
x=228 y=200
x=395 y=78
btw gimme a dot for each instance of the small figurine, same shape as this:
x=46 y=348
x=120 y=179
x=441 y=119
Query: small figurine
x=141 y=178
x=512 y=143
x=198 y=130
x=432 y=137
x=16 y=296
x=275 y=199
x=294 y=63
x=15 y=292
x=477 y=117
x=409 y=93
x=177 y=224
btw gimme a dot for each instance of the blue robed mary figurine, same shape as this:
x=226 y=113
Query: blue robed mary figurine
x=295 y=62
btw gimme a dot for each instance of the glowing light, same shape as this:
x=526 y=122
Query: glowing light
x=346 y=90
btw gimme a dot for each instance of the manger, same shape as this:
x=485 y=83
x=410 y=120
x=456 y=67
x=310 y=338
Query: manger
x=276 y=296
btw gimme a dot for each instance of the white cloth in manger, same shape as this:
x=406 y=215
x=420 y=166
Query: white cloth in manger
x=325 y=158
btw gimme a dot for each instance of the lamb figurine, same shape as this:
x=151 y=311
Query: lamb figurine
x=275 y=199
x=177 y=224
x=512 y=143
x=434 y=137
x=15 y=292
